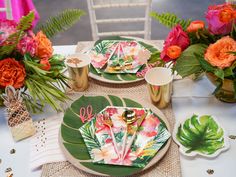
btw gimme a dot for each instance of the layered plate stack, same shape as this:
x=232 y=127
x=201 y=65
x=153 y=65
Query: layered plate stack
x=96 y=138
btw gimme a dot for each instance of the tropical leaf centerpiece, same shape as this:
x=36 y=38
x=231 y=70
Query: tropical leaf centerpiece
x=27 y=61
x=195 y=48
x=201 y=135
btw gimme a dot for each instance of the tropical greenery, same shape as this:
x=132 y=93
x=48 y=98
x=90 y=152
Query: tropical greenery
x=201 y=134
x=30 y=56
x=195 y=48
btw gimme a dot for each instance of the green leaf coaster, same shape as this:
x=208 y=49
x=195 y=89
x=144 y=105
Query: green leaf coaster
x=201 y=135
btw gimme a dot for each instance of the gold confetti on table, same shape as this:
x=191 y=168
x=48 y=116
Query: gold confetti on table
x=9 y=172
x=233 y=137
x=210 y=171
x=13 y=151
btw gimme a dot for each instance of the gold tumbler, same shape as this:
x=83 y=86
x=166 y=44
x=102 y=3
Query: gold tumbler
x=78 y=68
x=159 y=82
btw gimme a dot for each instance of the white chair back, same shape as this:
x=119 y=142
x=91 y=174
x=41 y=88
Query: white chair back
x=7 y=9
x=103 y=5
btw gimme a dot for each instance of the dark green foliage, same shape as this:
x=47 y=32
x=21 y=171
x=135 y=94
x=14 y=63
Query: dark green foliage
x=61 y=22
x=170 y=20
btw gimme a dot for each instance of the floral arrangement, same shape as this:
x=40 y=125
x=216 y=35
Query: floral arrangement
x=194 y=47
x=27 y=61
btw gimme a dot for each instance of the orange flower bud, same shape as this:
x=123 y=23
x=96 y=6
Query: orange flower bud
x=173 y=51
x=45 y=64
x=227 y=14
x=195 y=26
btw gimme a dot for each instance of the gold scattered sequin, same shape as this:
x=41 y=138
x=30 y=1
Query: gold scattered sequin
x=233 y=137
x=210 y=171
x=13 y=151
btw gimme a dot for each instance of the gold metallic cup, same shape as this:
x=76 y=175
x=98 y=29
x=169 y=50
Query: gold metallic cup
x=159 y=82
x=78 y=68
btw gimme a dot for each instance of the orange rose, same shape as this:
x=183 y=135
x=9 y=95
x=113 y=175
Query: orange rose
x=195 y=26
x=217 y=53
x=44 y=48
x=227 y=14
x=173 y=51
x=11 y=73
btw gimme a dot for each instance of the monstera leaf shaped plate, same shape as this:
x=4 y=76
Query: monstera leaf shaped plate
x=74 y=147
x=201 y=135
x=102 y=49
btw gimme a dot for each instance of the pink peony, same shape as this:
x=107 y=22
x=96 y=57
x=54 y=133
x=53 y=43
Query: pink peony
x=7 y=27
x=178 y=37
x=217 y=24
x=27 y=44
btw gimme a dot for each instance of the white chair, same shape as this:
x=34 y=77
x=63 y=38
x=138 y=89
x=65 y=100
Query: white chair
x=95 y=5
x=7 y=9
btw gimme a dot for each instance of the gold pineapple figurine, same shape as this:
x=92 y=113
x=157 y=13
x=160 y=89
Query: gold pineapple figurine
x=19 y=120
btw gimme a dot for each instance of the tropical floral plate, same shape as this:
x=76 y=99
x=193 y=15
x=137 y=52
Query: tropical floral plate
x=151 y=135
x=102 y=50
x=201 y=135
x=72 y=142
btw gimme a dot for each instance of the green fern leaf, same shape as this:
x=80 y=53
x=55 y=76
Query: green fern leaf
x=170 y=20
x=10 y=43
x=26 y=22
x=61 y=22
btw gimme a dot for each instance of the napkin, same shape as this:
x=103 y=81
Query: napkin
x=151 y=135
x=120 y=56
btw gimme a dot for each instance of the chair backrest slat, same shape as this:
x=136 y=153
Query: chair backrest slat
x=146 y=20
x=7 y=9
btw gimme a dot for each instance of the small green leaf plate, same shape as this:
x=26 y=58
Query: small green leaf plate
x=201 y=135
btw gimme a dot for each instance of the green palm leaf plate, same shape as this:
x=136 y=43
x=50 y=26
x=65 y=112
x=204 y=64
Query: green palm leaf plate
x=201 y=135
x=74 y=147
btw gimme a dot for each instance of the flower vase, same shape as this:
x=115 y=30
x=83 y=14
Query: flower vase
x=226 y=92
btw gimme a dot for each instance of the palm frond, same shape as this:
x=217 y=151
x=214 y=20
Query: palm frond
x=26 y=22
x=61 y=22
x=170 y=20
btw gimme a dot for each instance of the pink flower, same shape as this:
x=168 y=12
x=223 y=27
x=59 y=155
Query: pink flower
x=111 y=111
x=100 y=126
x=150 y=126
x=178 y=37
x=27 y=44
x=7 y=27
x=215 y=17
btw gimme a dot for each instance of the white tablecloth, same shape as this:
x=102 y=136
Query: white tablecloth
x=189 y=97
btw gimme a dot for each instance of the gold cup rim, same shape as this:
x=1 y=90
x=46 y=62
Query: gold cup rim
x=166 y=76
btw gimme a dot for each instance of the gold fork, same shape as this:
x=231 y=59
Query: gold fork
x=108 y=122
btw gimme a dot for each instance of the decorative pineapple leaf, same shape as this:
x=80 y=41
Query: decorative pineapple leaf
x=201 y=134
x=170 y=20
x=61 y=22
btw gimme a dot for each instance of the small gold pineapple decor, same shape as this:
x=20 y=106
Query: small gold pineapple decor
x=19 y=120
